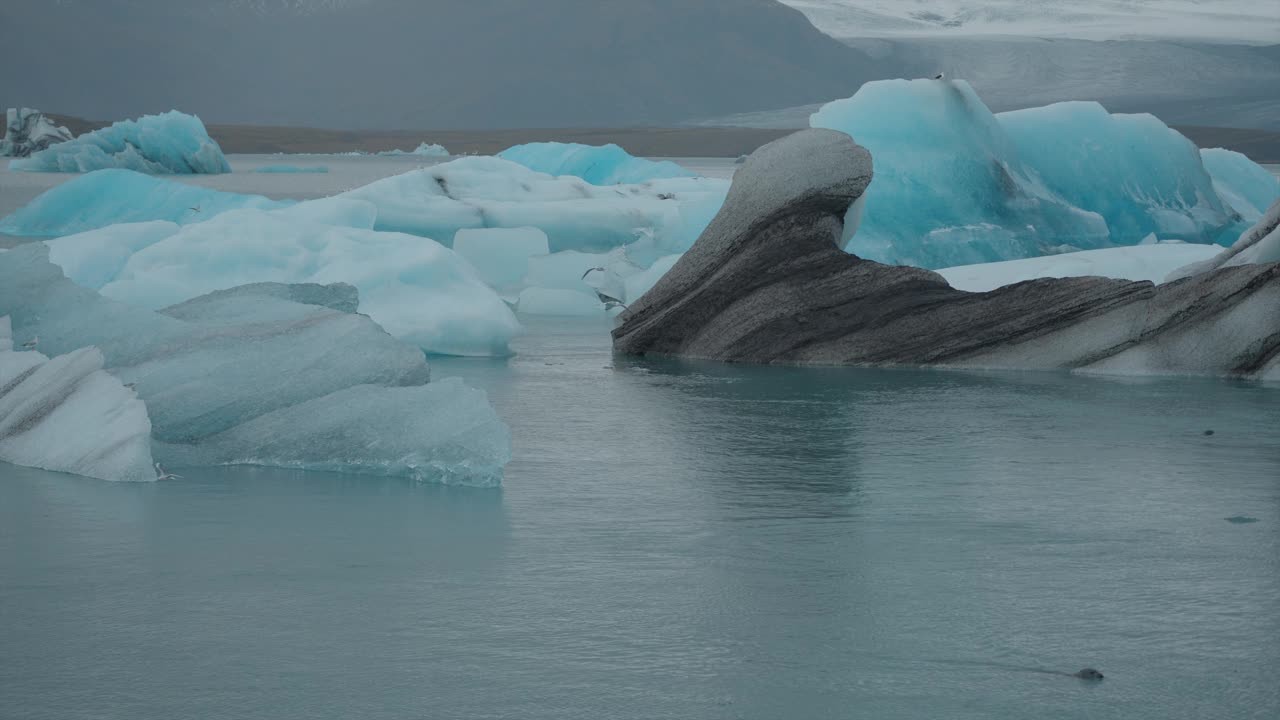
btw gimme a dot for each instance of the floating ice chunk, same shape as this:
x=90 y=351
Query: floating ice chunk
x=944 y=163
x=501 y=255
x=1135 y=171
x=284 y=358
x=424 y=150
x=290 y=169
x=419 y=291
x=1150 y=262
x=443 y=432
x=108 y=197
x=556 y=301
x=598 y=165
x=1246 y=185
x=68 y=415
x=28 y=131
x=156 y=144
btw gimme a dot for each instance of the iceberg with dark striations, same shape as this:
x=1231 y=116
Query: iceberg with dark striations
x=267 y=374
x=67 y=415
x=169 y=143
x=28 y=131
x=767 y=282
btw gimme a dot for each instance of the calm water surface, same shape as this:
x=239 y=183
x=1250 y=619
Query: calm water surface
x=686 y=541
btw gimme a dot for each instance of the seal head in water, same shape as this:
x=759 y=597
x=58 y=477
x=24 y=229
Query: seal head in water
x=1089 y=674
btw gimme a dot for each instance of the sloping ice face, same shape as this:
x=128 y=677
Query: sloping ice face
x=169 y=143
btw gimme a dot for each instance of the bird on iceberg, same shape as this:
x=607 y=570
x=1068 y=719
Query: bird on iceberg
x=32 y=343
x=162 y=475
x=940 y=76
x=609 y=301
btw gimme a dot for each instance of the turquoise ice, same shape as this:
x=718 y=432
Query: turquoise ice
x=169 y=143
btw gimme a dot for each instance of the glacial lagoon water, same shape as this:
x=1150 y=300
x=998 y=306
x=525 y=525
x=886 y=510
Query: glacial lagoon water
x=686 y=540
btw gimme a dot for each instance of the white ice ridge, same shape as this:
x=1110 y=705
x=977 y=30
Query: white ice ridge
x=68 y=415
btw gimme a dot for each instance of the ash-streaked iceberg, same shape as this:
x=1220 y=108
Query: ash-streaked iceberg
x=67 y=415
x=108 y=197
x=169 y=143
x=416 y=289
x=256 y=374
x=769 y=283
x=597 y=164
x=28 y=131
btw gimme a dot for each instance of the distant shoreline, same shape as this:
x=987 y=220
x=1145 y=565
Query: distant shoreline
x=1262 y=146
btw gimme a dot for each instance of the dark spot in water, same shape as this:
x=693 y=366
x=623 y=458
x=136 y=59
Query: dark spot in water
x=1241 y=520
x=1089 y=674
x=1208 y=432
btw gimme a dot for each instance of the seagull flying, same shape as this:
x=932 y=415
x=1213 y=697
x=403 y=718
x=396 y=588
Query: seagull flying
x=194 y=209
x=162 y=475
x=609 y=301
x=32 y=343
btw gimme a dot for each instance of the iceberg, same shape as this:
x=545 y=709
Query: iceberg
x=107 y=197
x=598 y=165
x=268 y=374
x=1243 y=183
x=292 y=169
x=958 y=185
x=28 y=131
x=1139 y=174
x=809 y=302
x=488 y=192
x=67 y=415
x=169 y=143
x=418 y=290
x=424 y=150
x=950 y=188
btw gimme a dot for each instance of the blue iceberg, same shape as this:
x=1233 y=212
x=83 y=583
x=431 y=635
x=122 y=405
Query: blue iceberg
x=598 y=165
x=108 y=197
x=169 y=143
x=955 y=184
x=1139 y=174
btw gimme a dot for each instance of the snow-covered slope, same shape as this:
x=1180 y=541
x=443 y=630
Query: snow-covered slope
x=1229 y=21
